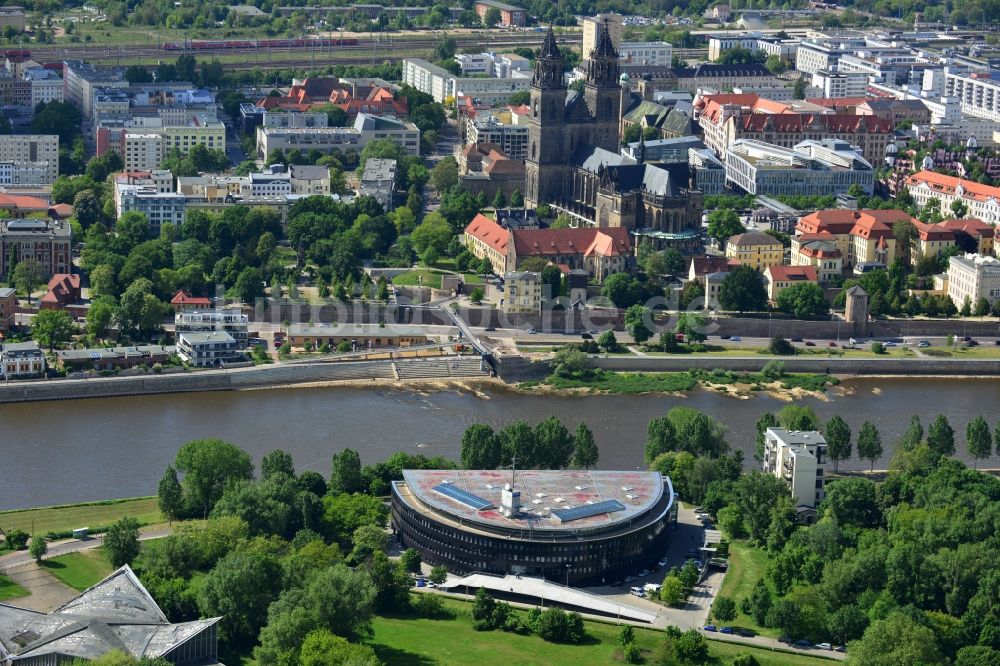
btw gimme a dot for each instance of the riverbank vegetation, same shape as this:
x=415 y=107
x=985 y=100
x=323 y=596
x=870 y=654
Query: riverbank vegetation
x=60 y=521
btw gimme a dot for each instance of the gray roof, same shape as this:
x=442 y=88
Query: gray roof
x=309 y=172
x=6 y=292
x=114 y=352
x=21 y=349
x=595 y=157
x=115 y=614
x=205 y=338
x=366 y=121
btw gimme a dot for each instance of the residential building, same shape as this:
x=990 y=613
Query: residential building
x=509 y=14
x=751 y=41
x=757 y=249
x=861 y=236
x=21 y=360
x=359 y=336
x=46 y=241
x=227 y=320
x=836 y=84
x=441 y=84
x=719 y=77
x=158 y=206
x=983 y=201
x=592 y=26
x=63 y=290
x=500 y=129
x=353 y=96
x=977 y=92
x=379 y=181
x=659 y=54
x=779 y=278
x=366 y=128
x=205 y=350
x=46 y=85
x=972 y=276
x=309 y=180
x=601 y=252
x=799 y=458
x=896 y=110
x=522 y=292
x=930 y=242
x=475 y=63
x=12 y=16
x=109 y=359
x=820 y=252
x=117 y=614
x=81 y=82
x=32 y=149
x=279 y=117
x=810 y=168
x=971 y=235
x=183 y=301
x=8 y=308
x=813 y=55
x=704 y=265
x=24 y=174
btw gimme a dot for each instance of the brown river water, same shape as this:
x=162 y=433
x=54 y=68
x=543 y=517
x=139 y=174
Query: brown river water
x=84 y=450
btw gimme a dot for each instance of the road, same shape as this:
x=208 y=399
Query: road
x=64 y=547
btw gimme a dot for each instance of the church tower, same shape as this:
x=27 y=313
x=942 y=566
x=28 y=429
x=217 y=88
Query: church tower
x=602 y=91
x=547 y=165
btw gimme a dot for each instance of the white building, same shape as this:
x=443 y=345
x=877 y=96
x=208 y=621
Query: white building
x=441 y=84
x=282 y=118
x=658 y=54
x=978 y=94
x=46 y=85
x=983 y=201
x=205 y=350
x=20 y=174
x=366 y=128
x=475 y=63
x=150 y=197
x=379 y=181
x=32 y=149
x=490 y=128
x=799 y=458
x=751 y=41
x=143 y=151
x=813 y=55
x=973 y=276
x=810 y=168
x=21 y=360
x=226 y=320
x=840 y=84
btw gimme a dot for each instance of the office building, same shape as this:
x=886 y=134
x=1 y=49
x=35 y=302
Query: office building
x=582 y=527
x=499 y=129
x=838 y=84
x=659 y=54
x=978 y=93
x=441 y=84
x=227 y=320
x=799 y=458
x=82 y=80
x=366 y=128
x=973 y=276
x=33 y=151
x=810 y=168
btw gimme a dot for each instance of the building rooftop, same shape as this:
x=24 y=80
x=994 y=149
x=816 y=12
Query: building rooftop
x=113 y=352
x=798 y=437
x=206 y=338
x=379 y=169
x=545 y=496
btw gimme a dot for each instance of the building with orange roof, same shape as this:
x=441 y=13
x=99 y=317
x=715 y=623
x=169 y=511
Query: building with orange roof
x=861 y=236
x=183 y=301
x=931 y=241
x=485 y=238
x=779 y=278
x=870 y=133
x=972 y=235
x=983 y=201
x=63 y=290
x=485 y=168
x=18 y=206
x=819 y=251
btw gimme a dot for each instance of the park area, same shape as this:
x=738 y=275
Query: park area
x=407 y=639
x=61 y=520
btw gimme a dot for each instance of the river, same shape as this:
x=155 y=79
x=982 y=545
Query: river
x=83 y=450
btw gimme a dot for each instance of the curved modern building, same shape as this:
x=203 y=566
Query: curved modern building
x=587 y=527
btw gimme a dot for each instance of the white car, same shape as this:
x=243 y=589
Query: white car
x=662 y=562
x=823 y=646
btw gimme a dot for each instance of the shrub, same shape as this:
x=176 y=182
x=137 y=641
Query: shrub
x=17 y=539
x=431 y=606
x=558 y=626
x=38 y=547
x=781 y=347
x=439 y=574
x=324 y=348
x=878 y=348
x=631 y=654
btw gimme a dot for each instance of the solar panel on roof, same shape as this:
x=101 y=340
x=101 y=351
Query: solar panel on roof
x=462 y=496
x=588 y=510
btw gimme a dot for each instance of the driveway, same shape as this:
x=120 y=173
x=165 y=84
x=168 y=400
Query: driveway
x=20 y=559
x=45 y=591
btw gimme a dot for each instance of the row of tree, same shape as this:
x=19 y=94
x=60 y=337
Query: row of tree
x=547 y=445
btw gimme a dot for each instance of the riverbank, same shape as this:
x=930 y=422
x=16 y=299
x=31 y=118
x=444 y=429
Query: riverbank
x=60 y=520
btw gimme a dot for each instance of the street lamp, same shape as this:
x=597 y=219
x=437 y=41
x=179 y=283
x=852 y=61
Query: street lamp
x=568 y=567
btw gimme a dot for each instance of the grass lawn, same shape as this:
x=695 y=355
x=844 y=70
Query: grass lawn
x=408 y=640
x=629 y=382
x=10 y=590
x=746 y=565
x=65 y=518
x=420 y=277
x=80 y=570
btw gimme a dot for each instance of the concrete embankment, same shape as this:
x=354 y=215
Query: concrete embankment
x=832 y=366
x=264 y=376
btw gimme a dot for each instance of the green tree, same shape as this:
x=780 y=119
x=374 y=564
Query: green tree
x=723 y=224
x=853 y=502
x=410 y=560
x=691 y=647
x=345 y=472
x=208 y=465
x=767 y=420
x=434 y=232
x=798 y=417
x=51 y=328
x=623 y=290
x=838 y=440
x=277 y=462
x=492 y=18
x=804 y=299
x=439 y=574
x=444 y=175
x=978 y=439
x=554 y=444
x=480 y=447
x=499 y=201
x=692 y=326
x=240 y=588
x=368 y=540
x=585 y=454
x=170 y=495
x=661 y=437
x=941 y=436
x=743 y=290
x=786 y=615
x=897 y=639
x=672 y=591
x=724 y=609
x=38 y=547
x=121 y=542
x=323 y=648
x=758 y=604
x=608 y=342
x=847 y=623
x=639 y=322
x=913 y=435
x=516 y=198
x=28 y=274
x=477 y=296
x=869 y=443
x=755 y=494
x=99 y=317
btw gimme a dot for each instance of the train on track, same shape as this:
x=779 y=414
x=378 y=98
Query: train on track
x=220 y=44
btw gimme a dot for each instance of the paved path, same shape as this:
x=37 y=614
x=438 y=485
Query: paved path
x=772 y=644
x=21 y=558
x=45 y=591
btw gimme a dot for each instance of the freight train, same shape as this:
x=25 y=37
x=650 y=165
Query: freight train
x=219 y=44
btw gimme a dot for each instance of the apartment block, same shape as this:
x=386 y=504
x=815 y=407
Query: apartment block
x=591 y=24
x=441 y=84
x=983 y=201
x=798 y=457
x=978 y=93
x=205 y=350
x=837 y=85
x=81 y=81
x=46 y=241
x=973 y=276
x=34 y=149
x=522 y=292
x=228 y=320
x=366 y=128
x=647 y=53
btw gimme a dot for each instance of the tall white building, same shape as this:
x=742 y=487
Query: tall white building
x=32 y=149
x=836 y=85
x=973 y=276
x=978 y=94
x=658 y=54
x=441 y=84
x=226 y=320
x=798 y=458
x=810 y=168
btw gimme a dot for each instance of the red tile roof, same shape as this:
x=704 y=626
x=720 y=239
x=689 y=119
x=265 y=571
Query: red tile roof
x=22 y=202
x=63 y=288
x=184 y=298
x=933 y=232
x=949 y=184
x=791 y=273
x=970 y=226
x=489 y=232
x=800 y=122
x=706 y=264
x=586 y=241
x=864 y=223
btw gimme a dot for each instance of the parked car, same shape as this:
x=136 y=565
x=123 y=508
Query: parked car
x=725 y=337
x=923 y=344
x=840 y=648
x=643 y=573
x=663 y=562
x=637 y=592
x=831 y=343
x=785 y=639
x=532 y=331
x=810 y=343
x=699 y=509
x=796 y=339
x=802 y=643
x=735 y=338
x=586 y=336
x=709 y=627
x=823 y=646
x=746 y=633
x=726 y=630
x=421 y=582
x=629 y=579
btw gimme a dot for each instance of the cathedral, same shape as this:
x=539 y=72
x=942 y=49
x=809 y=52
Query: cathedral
x=574 y=161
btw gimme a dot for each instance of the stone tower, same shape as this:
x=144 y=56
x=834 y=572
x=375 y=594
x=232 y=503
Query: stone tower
x=856 y=311
x=547 y=165
x=603 y=90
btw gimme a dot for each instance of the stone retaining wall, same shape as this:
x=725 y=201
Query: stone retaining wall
x=834 y=366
